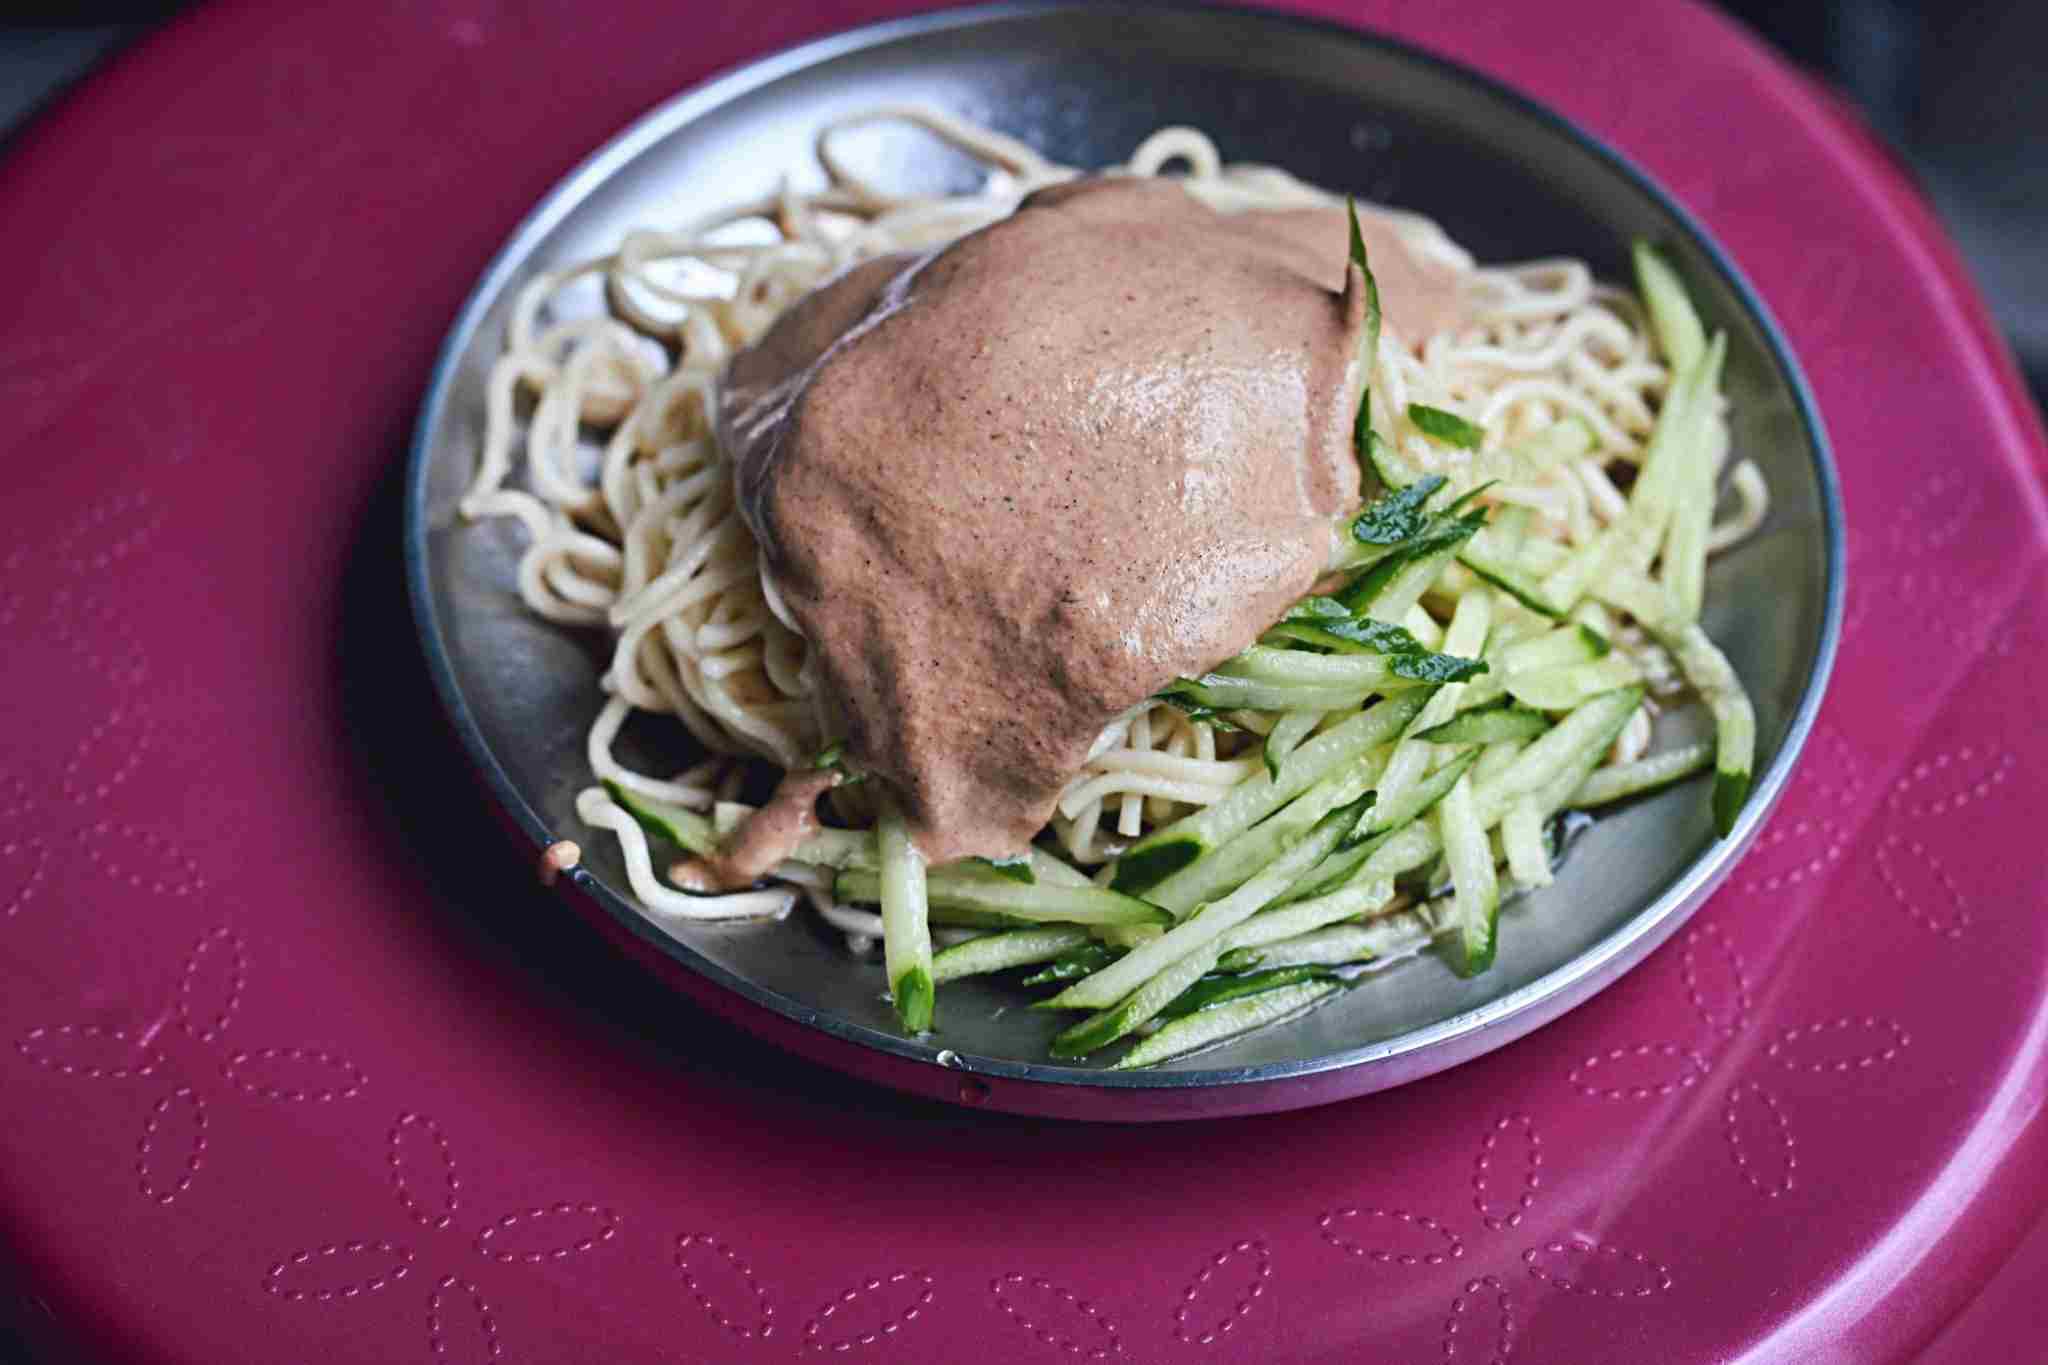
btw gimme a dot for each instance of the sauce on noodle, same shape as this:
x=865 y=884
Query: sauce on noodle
x=1010 y=489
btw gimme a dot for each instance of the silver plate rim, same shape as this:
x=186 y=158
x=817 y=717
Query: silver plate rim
x=1467 y=1034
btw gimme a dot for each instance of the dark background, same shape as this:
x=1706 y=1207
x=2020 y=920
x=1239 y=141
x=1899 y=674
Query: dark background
x=1956 y=88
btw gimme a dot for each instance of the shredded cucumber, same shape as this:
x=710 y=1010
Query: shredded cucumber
x=999 y=952
x=906 y=929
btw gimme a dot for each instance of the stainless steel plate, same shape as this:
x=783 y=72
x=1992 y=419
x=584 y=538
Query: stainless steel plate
x=1084 y=83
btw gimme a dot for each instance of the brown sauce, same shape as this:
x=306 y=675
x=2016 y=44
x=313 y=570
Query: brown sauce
x=1010 y=489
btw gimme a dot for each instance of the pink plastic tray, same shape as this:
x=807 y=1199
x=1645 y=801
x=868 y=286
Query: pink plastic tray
x=298 y=1068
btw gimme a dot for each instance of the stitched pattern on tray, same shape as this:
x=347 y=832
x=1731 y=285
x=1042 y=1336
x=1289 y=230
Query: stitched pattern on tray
x=693 y=1265
x=1756 y=1126
x=1493 y=1267
x=1751 y=1108
x=428 y=1193
x=1249 y=1291
x=1644 y=1071
x=898 y=1298
x=1036 y=1316
x=204 y=1003
x=1925 y=799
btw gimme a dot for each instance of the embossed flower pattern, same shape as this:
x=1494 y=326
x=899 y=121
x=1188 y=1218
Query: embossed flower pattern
x=873 y=1310
x=460 y=1320
x=1496 y=1270
x=175 y=1048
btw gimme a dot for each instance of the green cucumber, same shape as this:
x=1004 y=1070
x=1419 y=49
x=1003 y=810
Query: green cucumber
x=1371 y=860
x=1182 y=1036
x=999 y=952
x=1300 y=917
x=1166 y=852
x=964 y=887
x=1074 y=964
x=1653 y=772
x=1105 y=1027
x=1521 y=837
x=1673 y=320
x=1217 y=989
x=1711 y=675
x=1587 y=730
x=1490 y=724
x=679 y=825
x=1561 y=689
x=906 y=927
x=1215 y=918
x=1559 y=648
x=1475 y=903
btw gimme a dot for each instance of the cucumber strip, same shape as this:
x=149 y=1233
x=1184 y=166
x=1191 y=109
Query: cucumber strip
x=1163 y=853
x=1679 y=437
x=1299 y=917
x=1124 y=937
x=1685 y=544
x=1420 y=797
x=1384 y=940
x=1016 y=868
x=1685 y=540
x=1573 y=578
x=906 y=929
x=1680 y=335
x=1470 y=622
x=1424 y=628
x=1711 y=675
x=1491 y=724
x=1073 y=964
x=1589 y=728
x=1245 y=855
x=1393 y=843
x=1475 y=901
x=1647 y=774
x=1369 y=338
x=1521 y=837
x=1390 y=597
x=1517 y=582
x=1554 y=795
x=1103 y=1028
x=998 y=952
x=964 y=887
x=1561 y=689
x=1638 y=596
x=1217 y=989
x=1360 y=672
x=1559 y=648
x=1593 y=615
x=1286 y=736
x=1225 y=1021
x=1055 y=870
x=678 y=824
x=1214 y=919
x=1224 y=692
x=1495 y=758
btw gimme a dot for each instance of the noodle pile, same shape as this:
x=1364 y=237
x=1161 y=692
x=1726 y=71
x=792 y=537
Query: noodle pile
x=604 y=395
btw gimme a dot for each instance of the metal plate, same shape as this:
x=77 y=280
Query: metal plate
x=1083 y=83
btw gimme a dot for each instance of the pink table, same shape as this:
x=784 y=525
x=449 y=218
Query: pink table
x=300 y=1066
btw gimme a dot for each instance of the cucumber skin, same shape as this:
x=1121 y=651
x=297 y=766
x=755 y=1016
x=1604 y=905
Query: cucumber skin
x=1730 y=791
x=914 y=994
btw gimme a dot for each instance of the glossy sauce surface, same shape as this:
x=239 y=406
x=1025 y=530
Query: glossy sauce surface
x=1010 y=489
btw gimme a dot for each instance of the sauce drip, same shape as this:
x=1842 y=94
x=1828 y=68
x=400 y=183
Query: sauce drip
x=765 y=838
x=1010 y=489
